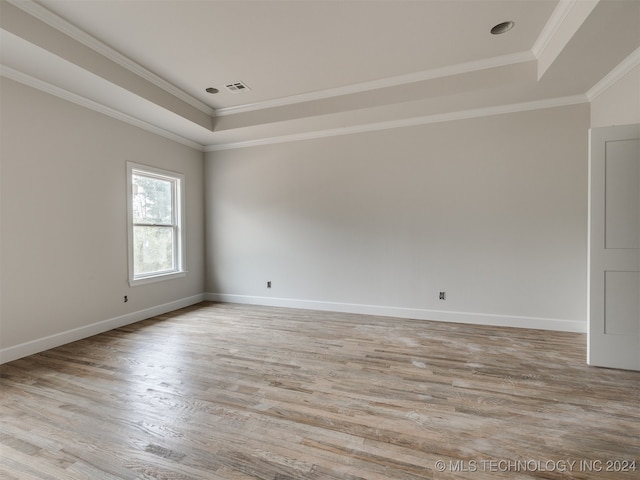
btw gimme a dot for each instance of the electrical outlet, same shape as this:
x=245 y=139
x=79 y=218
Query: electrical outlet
x=443 y=295
x=269 y=284
x=126 y=299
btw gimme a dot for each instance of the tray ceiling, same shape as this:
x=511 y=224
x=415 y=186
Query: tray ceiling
x=312 y=67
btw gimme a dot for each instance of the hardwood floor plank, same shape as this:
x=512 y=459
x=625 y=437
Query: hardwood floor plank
x=233 y=392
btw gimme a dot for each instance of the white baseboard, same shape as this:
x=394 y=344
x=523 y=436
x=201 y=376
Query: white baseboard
x=415 y=313
x=41 y=344
x=9 y=354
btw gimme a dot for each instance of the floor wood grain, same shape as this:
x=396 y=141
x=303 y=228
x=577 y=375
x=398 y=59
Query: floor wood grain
x=223 y=391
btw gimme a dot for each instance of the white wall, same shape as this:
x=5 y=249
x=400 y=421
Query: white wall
x=63 y=216
x=619 y=104
x=492 y=210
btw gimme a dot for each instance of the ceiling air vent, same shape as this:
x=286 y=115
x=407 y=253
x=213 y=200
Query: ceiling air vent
x=237 y=87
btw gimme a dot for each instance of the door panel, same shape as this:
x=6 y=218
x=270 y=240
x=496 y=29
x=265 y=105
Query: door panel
x=621 y=303
x=614 y=247
x=622 y=196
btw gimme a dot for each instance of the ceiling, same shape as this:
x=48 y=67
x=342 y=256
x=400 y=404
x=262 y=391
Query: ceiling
x=312 y=67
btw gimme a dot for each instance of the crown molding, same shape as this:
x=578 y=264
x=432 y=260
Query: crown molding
x=48 y=17
x=552 y=26
x=387 y=82
x=407 y=122
x=46 y=87
x=614 y=75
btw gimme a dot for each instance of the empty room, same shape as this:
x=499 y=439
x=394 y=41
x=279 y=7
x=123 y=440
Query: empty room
x=314 y=239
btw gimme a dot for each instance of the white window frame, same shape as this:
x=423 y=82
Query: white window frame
x=177 y=180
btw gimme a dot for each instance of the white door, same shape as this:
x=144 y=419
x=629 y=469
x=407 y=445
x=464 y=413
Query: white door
x=614 y=247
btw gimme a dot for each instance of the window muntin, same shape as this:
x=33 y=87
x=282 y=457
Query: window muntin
x=155 y=224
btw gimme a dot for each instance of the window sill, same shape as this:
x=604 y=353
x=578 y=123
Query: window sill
x=156 y=278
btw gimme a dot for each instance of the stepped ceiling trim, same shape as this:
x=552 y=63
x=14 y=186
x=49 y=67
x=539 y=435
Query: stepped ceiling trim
x=56 y=91
x=246 y=135
x=614 y=75
x=409 y=122
x=41 y=13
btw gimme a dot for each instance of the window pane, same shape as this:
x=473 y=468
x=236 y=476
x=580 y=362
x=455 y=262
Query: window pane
x=153 y=250
x=152 y=200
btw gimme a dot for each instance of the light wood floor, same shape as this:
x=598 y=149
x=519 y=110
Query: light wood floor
x=221 y=391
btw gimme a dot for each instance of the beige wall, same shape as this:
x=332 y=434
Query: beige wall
x=492 y=210
x=64 y=236
x=619 y=104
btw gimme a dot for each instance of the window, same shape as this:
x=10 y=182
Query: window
x=155 y=224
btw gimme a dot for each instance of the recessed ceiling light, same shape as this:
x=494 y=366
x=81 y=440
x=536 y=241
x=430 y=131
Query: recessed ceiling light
x=211 y=90
x=502 y=27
